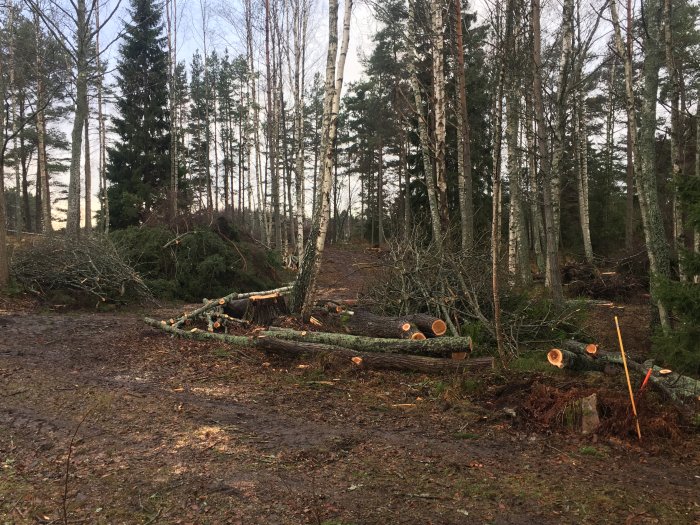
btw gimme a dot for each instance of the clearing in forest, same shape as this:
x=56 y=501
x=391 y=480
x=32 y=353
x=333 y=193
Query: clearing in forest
x=166 y=430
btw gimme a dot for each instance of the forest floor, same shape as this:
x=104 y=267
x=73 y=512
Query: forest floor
x=171 y=431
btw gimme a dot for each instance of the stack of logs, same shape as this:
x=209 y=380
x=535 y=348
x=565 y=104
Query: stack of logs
x=411 y=343
x=578 y=356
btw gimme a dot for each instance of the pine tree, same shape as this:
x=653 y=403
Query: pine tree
x=139 y=162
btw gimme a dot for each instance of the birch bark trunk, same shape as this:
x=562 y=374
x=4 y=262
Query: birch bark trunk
x=304 y=289
x=439 y=109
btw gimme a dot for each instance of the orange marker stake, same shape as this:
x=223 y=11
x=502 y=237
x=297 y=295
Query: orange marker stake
x=627 y=375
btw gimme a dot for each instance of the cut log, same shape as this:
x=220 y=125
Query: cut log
x=429 y=325
x=572 y=361
x=442 y=346
x=672 y=385
x=399 y=362
x=362 y=322
x=363 y=359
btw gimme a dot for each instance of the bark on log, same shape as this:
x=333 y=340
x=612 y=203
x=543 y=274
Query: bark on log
x=573 y=361
x=361 y=322
x=442 y=346
x=399 y=362
x=210 y=305
x=674 y=386
x=429 y=325
x=364 y=359
x=202 y=335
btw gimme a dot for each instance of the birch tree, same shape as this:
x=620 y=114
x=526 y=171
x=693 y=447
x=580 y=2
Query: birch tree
x=304 y=289
x=438 y=62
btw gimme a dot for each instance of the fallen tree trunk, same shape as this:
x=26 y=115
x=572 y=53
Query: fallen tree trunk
x=196 y=333
x=362 y=322
x=672 y=385
x=365 y=359
x=429 y=325
x=443 y=346
x=375 y=360
x=572 y=360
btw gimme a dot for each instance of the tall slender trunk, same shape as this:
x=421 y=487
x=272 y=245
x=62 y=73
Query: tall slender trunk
x=271 y=135
x=19 y=226
x=464 y=160
x=304 y=289
x=299 y=29
x=581 y=153
x=538 y=241
x=4 y=259
x=553 y=278
x=438 y=28
x=43 y=187
x=610 y=132
x=518 y=246
x=380 y=195
x=626 y=53
x=171 y=25
x=424 y=133
x=88 y=179
x=673 y=69
x=101 y=127
x=23 y=155
x=644 y=146
x=496 y=193
x=696 y=232
x=407 y=211
x=561 y=111
x=81 y=110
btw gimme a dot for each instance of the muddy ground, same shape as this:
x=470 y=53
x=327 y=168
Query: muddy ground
x=172 y=431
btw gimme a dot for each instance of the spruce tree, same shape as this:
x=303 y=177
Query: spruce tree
x=680 y=347
x=139 y=162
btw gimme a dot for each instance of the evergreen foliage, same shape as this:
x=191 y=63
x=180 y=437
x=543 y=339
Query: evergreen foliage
x=202 y=263
x=681 y=347
x=139 y=161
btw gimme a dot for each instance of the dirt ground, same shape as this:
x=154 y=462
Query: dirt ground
x=162 y=430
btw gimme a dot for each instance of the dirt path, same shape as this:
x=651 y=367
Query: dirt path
x=347 y=271
x=181 y=432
